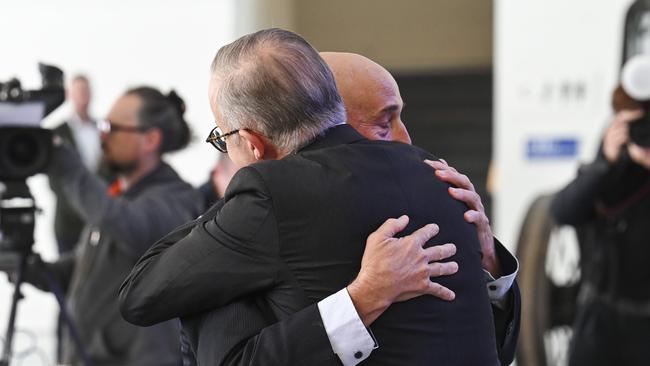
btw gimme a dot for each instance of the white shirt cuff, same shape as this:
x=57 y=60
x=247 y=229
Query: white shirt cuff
x=498 y=288
x=349 y=338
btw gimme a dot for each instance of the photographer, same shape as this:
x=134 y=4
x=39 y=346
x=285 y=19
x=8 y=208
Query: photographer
x=609 y=204
x=147 y=200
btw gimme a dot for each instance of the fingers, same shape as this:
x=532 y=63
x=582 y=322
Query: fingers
x=438 y=269
x=440 y=291
x=439 y=252
x=423 y=234
x=436 y=164
x=439 y=165
x=616 y=136
x=456 y=179
x=470 y=198
x=391 y=227
x=628 y=115
x=476 y=217
x=621 y=136
x=450 y=175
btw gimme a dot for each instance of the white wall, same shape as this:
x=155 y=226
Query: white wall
x=118 y=45
x=544 y=50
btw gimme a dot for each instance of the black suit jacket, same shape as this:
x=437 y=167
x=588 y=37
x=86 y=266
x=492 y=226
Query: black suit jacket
x=292 y=231
x=245 y=333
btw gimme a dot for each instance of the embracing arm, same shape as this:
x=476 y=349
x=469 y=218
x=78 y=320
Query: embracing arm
x=335 y=329
x=220 y=258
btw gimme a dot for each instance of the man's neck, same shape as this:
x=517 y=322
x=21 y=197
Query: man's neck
x=145 y=167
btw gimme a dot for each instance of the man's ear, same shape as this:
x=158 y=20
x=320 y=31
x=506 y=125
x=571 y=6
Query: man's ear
x=153 y=139
x=255 y=143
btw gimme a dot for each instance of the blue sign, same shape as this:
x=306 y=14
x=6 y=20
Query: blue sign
x=552 y=148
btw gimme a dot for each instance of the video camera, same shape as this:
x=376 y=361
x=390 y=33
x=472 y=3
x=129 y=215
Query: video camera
x=25 y=149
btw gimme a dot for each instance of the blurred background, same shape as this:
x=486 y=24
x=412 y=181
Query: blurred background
x=515 y=94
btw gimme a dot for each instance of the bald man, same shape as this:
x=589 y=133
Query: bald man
x=222 y=337
x=374 y=105
x=372 y=99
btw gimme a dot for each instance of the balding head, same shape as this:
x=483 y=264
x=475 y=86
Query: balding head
x=274 y=82
x=371 y=96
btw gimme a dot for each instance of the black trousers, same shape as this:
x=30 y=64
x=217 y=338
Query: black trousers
x=603 y=336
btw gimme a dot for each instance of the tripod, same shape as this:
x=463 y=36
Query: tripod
x=17 y=214
x=9 y=335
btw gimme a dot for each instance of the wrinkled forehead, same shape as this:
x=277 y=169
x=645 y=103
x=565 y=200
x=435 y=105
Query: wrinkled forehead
x=377 y=92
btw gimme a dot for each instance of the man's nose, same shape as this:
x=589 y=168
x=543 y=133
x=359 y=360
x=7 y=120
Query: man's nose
x=401 y=134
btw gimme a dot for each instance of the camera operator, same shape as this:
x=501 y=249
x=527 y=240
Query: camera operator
x=609 y=204
x=147 y=200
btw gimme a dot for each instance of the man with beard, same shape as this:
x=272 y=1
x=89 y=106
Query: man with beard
x=291 y=230
x=147 y=200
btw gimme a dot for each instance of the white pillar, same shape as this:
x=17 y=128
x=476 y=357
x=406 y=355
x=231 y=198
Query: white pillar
x=253 y=15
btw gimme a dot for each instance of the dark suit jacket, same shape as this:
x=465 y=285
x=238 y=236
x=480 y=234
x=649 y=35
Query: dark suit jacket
x=292 y=231
x=244 y=333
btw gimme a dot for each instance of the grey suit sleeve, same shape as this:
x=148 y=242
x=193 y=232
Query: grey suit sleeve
x=135 y=224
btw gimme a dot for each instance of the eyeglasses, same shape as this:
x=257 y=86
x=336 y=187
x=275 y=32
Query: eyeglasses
x=107 y=127
x=218 y=139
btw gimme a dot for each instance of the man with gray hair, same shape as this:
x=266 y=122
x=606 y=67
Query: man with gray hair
x=291 y=231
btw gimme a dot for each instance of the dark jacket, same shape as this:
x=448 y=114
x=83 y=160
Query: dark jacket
x=68 y=224
x=609 y=204
x=245 y=332
x=119 y=230
x=293 y=231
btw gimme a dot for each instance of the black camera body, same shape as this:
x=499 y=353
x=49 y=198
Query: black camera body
x=640 y=129
x=25 y=150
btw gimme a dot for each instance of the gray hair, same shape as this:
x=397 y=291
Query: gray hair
x=276 y=84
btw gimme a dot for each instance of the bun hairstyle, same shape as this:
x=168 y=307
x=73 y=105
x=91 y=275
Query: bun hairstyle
x=164 y=112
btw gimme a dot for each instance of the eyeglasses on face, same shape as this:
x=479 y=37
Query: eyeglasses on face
x=218 y=139
x=107 y=127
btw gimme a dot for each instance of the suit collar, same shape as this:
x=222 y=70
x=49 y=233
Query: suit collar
x=337 y=135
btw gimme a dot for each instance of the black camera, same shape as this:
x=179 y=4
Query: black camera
x=640 y=129
x=25 y=149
